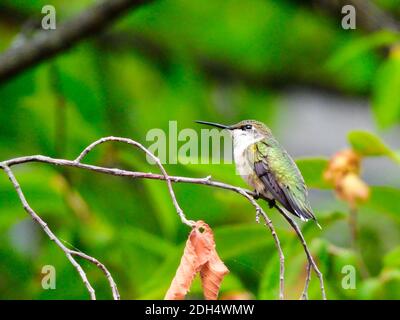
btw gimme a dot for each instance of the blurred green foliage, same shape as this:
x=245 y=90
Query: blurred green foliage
x=185 y=60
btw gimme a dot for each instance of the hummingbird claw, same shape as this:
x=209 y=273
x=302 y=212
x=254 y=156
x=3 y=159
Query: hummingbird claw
x=256 y=195
x=271 y=203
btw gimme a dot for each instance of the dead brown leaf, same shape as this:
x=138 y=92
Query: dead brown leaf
x=201 y=256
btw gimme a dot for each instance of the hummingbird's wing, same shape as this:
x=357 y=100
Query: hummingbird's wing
x=281 y=177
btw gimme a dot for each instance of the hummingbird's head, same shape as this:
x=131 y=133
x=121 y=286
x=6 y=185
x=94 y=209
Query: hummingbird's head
x=246 y=131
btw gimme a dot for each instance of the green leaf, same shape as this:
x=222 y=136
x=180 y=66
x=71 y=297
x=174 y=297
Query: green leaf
x=386 y=94
x=392 y=259
x=295 y=262
x=157 y=285
x=152 y=243
x=386 y=200
x=164 y=209
x=269 y=282
x=368 y=144
x=312 y=170
x=252 y=237
x=352 y=50
x=370 y=288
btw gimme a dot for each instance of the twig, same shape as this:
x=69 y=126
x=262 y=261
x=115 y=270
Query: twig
x=268 y=222
x=69 y=253
x=249 y=195
x=47 y=43
x=103 y=268
x=304 y=295
x=259 y=210
x=306 y=250
x=131 y=142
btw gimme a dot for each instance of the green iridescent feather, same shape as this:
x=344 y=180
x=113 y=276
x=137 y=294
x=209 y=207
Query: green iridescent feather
x=280 y=175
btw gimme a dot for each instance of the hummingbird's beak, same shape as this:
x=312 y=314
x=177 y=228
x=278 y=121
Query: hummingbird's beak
x=214 y=124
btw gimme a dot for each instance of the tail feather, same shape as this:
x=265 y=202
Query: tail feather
x=303 y=215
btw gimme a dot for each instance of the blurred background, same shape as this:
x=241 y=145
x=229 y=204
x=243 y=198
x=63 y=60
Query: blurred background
x=290 y=64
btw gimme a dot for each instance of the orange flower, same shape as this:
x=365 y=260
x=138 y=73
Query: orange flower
x=342 y=163
x=352 y=189
x=343 y=172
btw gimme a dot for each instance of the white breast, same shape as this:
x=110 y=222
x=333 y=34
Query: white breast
x=244 y=167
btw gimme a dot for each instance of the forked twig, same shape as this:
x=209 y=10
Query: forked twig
x=249 y=195
x=307 y=252
x=69 y=253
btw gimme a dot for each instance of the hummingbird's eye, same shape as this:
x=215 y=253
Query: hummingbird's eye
x=247 y=127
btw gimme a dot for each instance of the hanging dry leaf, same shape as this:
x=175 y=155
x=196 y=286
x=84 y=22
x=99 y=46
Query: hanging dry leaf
x=212 y=274
x=199 y=256
x=237 y=295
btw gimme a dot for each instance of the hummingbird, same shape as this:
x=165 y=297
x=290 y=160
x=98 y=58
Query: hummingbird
x=266 y=166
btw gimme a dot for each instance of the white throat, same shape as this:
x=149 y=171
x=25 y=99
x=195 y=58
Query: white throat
x=241 y=141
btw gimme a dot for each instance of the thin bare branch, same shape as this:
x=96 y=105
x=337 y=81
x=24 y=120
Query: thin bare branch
x=306 y=250
x=259 y=210
x=249 y=195
x=69 y=253
x=268 y=222
x=103 y=268
x=304 y=295
x=131 y=142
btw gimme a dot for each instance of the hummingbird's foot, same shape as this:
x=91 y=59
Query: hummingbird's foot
x=256 y=195
x=271 y=203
